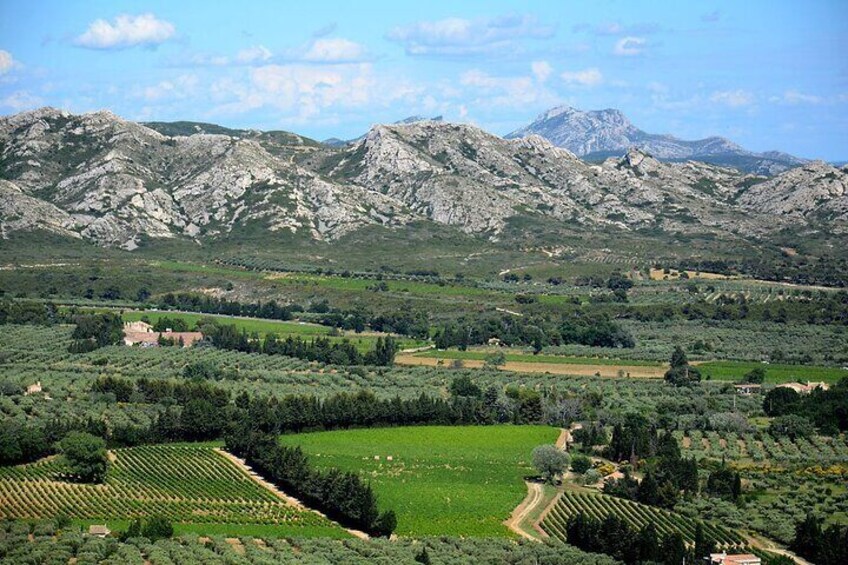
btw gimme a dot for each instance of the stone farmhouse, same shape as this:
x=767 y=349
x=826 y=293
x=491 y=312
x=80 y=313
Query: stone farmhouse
x=142 y=335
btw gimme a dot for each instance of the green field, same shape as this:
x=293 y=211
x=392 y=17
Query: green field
x=529 y=358
x=194 y=487
x=775 y=373
x=461 y=481
x=250 y=325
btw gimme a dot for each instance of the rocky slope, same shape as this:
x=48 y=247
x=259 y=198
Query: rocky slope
x=116 y=183
x=600 y=133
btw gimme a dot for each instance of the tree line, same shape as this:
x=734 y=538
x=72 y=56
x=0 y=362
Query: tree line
x=616 y=538
x=578 y=327
x=319 y=349
x=343 y=496
x=796 y=414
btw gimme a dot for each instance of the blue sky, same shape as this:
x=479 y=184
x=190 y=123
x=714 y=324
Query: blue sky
x=767 y=74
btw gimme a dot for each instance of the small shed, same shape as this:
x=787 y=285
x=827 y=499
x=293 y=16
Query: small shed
x=98 y=530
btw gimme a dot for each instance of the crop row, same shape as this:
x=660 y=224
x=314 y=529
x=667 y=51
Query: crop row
x=636 y=515
x=185 y=484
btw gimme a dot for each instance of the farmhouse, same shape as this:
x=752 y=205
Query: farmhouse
x=33 y=389
x=748 y=389
x=807 y=388
x=142 y=334
x=733 y=559
x=100 y=531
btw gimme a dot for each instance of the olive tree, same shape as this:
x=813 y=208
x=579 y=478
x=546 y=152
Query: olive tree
x=550 y=461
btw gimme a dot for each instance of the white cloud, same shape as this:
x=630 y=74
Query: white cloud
x=795 y=97
x=629 y=46
x=733 y=98
x=586 y=77
x=21 y=100
x=334 y=50
x=460 y=36
x=7 y=62
x=541 y=70
x=253 y=54
x=178 y=88
x=126 y=31
x=489 y=91
x=301 y=92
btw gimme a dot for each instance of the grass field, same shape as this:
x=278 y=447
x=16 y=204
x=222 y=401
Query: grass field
x=735 y=370
x=461 y=481
x=195 y=487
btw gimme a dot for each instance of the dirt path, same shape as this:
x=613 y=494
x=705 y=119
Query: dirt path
x=534 y=497
x=633 y=371
x=768 y=545
x=537 y=525
x=273 y=488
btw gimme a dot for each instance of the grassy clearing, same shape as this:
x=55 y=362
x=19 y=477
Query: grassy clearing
x=251 y=325
x=775 y=374
x=461 y=481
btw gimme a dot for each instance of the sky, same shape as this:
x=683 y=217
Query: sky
x=766 y=74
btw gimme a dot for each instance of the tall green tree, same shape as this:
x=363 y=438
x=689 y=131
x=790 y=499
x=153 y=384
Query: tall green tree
x=86 y=456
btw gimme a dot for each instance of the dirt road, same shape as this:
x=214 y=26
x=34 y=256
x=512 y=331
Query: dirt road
x=634 y=371
x=273 y=489
x=535 y=496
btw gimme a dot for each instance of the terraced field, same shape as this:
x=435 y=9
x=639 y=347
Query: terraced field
x=186 y=484
x=637 y=515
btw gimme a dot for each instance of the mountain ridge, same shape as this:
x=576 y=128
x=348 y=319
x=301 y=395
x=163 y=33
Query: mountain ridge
x=115 y=182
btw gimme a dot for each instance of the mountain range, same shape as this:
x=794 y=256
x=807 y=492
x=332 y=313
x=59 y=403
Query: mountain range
x=596 y=135
x=114 y=182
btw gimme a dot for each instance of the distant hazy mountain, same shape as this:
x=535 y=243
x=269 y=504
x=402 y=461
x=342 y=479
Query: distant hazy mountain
x=599 y=134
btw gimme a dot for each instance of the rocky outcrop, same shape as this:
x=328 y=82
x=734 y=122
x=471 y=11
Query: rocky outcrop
x=600 y=133
x=815 y=192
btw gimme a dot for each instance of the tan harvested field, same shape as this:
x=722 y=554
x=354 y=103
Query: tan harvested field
x=588 y=370
x=658 y=275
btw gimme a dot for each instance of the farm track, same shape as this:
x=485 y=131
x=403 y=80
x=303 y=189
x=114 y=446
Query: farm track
x=634 y=371
x=535 y=495
x=279 y=493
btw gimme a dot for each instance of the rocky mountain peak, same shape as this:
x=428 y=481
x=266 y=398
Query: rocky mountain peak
x=603 y=133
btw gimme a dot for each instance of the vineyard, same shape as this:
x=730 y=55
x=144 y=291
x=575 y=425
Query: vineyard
x=184 y=484
x=637 y=515
x=761 y=448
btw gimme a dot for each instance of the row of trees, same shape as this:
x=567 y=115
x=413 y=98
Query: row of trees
x=615 y=537
x=824 y=546
x=343 y=496
x=577 y=327
x=319 y=349
x=667 y=474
